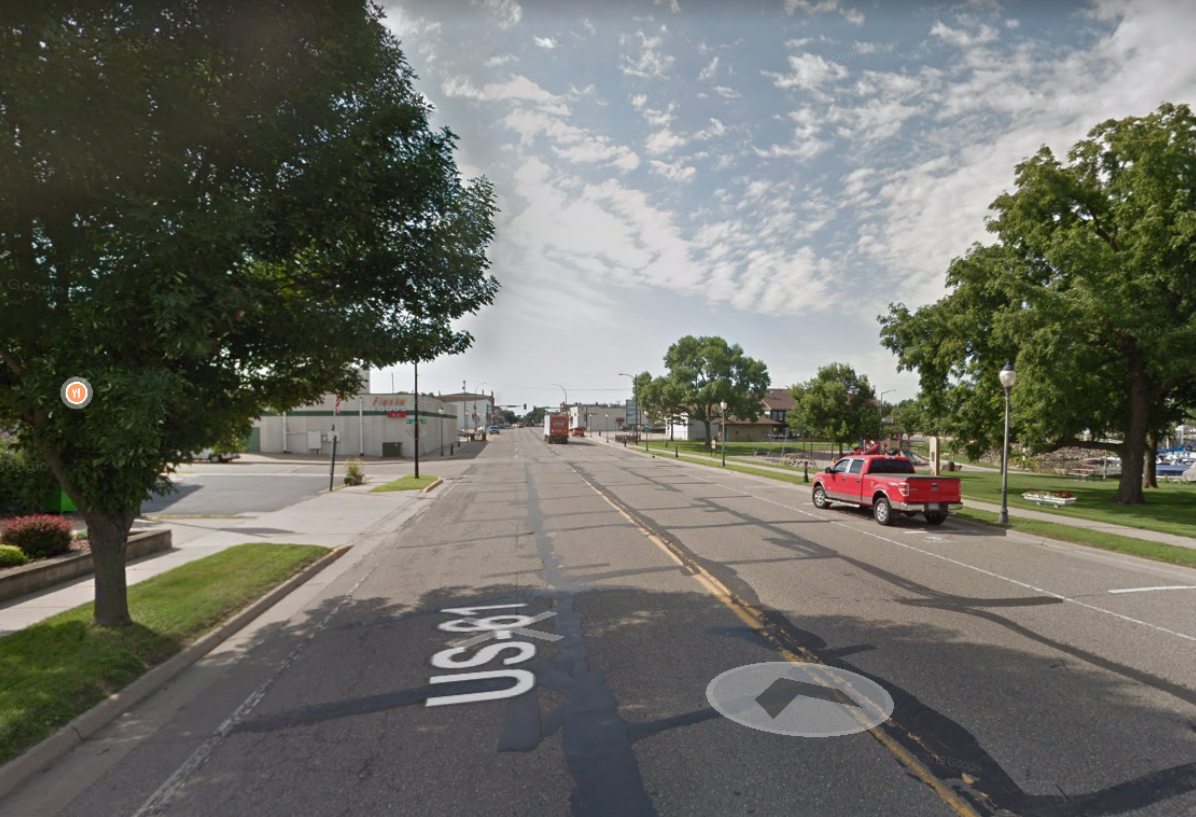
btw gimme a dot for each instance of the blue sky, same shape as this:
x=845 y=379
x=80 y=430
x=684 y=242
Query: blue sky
x=776 y=173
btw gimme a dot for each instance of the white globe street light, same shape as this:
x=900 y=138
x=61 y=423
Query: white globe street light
x=723 y=405
x=1008 y=377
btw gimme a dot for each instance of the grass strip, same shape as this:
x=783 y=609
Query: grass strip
x=1170 y=508
x=407 y=483
x=743 y=469
x=59 y=668
x=1158 y=551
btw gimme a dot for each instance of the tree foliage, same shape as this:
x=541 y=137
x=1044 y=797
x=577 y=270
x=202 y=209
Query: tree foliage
x=705 y=371
x=209 y=210
x=836 y=404
x=1090 y=289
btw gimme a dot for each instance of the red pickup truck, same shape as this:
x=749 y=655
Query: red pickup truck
x=887 y=485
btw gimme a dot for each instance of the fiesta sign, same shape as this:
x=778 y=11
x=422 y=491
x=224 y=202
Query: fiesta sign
x=389 y=402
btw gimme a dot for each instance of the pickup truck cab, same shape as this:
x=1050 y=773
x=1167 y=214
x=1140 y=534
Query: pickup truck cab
x=888 y=485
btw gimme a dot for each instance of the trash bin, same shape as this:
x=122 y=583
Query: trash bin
x=59 y=503
x=392 y=450
x=950 y=465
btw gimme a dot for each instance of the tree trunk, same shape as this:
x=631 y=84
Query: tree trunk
x=109 y=535
x=1150 y=477
x=709 y=439
x=1133 y=450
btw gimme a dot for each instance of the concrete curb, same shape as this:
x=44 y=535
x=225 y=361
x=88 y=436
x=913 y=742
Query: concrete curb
x=26 y=579
x=433 y=485
x=40 y=756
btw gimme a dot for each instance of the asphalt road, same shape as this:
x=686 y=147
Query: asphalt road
x=1020 y=684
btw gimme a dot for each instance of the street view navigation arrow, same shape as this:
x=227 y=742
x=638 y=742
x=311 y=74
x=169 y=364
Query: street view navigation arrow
x=798 y=699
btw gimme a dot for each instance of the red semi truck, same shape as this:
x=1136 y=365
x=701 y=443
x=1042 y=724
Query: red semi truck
x=888 y=485
x=556 y=428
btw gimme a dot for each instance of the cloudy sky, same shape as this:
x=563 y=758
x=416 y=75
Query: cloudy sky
x=776 y=172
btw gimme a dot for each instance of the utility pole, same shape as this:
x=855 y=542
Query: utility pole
x=417 y=419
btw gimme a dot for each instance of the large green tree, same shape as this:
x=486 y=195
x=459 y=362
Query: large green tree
x=209 y=210
x=836 y=404
x=705 y=371
x=1090 y=290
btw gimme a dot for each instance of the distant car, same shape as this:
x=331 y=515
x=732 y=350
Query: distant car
x=493 y=429
x=212 y=456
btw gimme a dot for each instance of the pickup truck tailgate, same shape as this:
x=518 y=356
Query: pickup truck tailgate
x=924 y=488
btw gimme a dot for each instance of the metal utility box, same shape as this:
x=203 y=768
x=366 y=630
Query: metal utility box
x=392 y=450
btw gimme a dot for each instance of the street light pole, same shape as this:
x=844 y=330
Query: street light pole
x=417 y=419
x=638 y=413
x=723 y=405
x=441 y=410
x=475 y=405
x=880 y=430
x=1008 y=378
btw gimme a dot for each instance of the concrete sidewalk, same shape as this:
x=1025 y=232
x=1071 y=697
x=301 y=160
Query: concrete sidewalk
x=328 y=520
x=1044 y=516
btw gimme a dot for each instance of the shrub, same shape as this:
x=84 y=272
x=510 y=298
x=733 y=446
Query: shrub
x=11 y=556
x=38 y=536
x=355 y=471
x=26 y=482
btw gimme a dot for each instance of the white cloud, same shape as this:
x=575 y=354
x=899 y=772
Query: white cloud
x=517 y=88
x=545 y=42
x=651 y=63
x=962 y=39
x=499 y=59
x=675 y=171
x=663 y=141
x=709 y=71
x=660 y=119
x=726 y=93
x=569 y=141
x=807 y=72
x=508 y=12
x=672 y=4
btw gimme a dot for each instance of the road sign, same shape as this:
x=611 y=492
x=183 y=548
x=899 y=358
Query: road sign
x=798 y=699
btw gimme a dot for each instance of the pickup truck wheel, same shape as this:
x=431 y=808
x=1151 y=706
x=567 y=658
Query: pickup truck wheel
x=820 y=497
x=935 y=517
x=882 y=512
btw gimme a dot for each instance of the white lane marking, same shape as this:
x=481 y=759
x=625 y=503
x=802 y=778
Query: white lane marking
x=958 y=563
x=159 y=799
x=1164 y=587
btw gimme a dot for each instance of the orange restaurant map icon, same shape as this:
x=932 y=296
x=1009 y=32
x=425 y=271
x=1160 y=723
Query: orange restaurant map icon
x=76 y=392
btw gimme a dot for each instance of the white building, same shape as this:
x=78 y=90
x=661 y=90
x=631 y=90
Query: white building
x=595 y=417
x=474 y=411
x=378 y=425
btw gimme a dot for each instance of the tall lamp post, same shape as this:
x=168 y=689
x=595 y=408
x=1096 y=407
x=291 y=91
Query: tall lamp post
x=475 y=405
x=639 y=415
x=880 y=430
x=1008 y=378
x=562 y=388
x=723 y=406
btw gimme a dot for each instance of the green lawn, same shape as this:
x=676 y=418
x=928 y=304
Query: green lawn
x=1158 y=551
x=407 y=483
x=740 y=449
x=59 y=668
x=1171 y=508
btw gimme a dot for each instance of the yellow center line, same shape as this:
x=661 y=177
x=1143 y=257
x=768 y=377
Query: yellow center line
x=755 y=619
